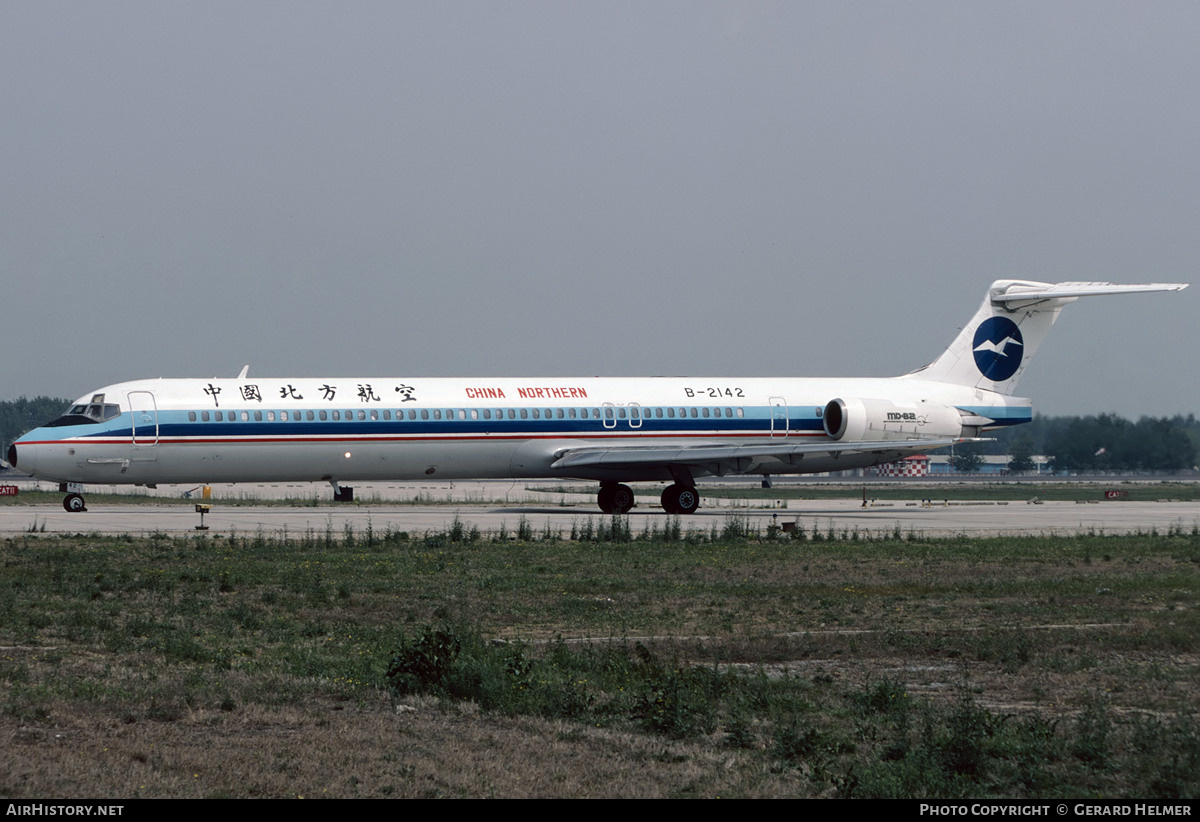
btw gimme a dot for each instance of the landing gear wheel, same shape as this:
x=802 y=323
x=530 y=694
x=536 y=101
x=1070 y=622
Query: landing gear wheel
x=74 y=503
x=622 y=499
x=680 y=499
x=614 y=498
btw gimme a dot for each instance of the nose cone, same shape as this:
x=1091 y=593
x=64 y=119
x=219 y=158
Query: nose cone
x=26 y=454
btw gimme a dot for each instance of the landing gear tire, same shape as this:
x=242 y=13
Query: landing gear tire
x=680 y=499
x=73 y=503
x=615 y=499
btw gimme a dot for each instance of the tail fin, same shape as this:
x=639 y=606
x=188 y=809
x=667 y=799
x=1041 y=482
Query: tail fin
x=995 y=347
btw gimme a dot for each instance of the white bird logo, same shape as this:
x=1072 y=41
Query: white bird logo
x=997 y=348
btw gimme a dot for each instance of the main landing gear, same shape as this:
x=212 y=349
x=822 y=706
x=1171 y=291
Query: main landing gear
x=616 y=498
x=680 y=499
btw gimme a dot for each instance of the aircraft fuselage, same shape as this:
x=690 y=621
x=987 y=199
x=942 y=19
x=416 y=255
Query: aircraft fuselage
x=269 y=429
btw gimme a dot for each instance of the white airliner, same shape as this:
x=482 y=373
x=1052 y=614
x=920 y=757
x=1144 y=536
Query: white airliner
x=670 y=429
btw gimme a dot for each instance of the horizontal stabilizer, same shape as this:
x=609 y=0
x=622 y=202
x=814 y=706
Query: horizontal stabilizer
x=1020 y=293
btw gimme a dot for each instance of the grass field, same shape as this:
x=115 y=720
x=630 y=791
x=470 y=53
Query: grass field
x=610 y=664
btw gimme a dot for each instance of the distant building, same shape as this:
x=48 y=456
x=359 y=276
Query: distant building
x=993 y=465
x=922 y=465
x=916 y=465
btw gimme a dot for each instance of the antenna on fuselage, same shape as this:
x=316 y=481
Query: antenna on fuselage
x=245 y=370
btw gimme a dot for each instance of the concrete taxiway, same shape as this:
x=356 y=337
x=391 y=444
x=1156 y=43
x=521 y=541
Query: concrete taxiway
x=493 y=507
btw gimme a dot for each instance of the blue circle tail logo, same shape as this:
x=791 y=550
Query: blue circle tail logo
x=998 y=348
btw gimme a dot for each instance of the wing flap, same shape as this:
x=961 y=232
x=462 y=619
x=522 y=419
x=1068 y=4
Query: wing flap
x=703 y=454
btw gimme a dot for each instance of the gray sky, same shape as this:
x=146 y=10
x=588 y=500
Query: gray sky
x=593 y=188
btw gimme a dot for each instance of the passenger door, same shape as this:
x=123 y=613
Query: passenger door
x=143 y=414
x=779 y=417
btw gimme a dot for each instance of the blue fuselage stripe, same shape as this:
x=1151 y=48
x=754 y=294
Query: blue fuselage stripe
x=175 y=425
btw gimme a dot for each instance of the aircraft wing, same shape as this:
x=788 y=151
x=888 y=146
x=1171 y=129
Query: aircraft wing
x=721 y=458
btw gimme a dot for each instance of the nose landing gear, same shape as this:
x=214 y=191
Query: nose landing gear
x=73 y=501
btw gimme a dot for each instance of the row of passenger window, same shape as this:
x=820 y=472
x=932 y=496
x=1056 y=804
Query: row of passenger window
x=608 y=412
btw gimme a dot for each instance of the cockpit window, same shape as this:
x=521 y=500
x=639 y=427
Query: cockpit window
x=88 y=413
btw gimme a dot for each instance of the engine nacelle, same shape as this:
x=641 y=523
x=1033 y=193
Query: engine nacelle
x=870 y=420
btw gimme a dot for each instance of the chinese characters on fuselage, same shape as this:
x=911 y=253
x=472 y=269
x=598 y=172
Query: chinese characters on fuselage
x=365 y=392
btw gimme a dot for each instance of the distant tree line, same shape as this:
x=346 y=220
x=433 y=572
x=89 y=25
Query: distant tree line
x=1105 y=442
x=18 y=416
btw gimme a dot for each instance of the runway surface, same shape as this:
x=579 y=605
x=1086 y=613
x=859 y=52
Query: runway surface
x=496 y=507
